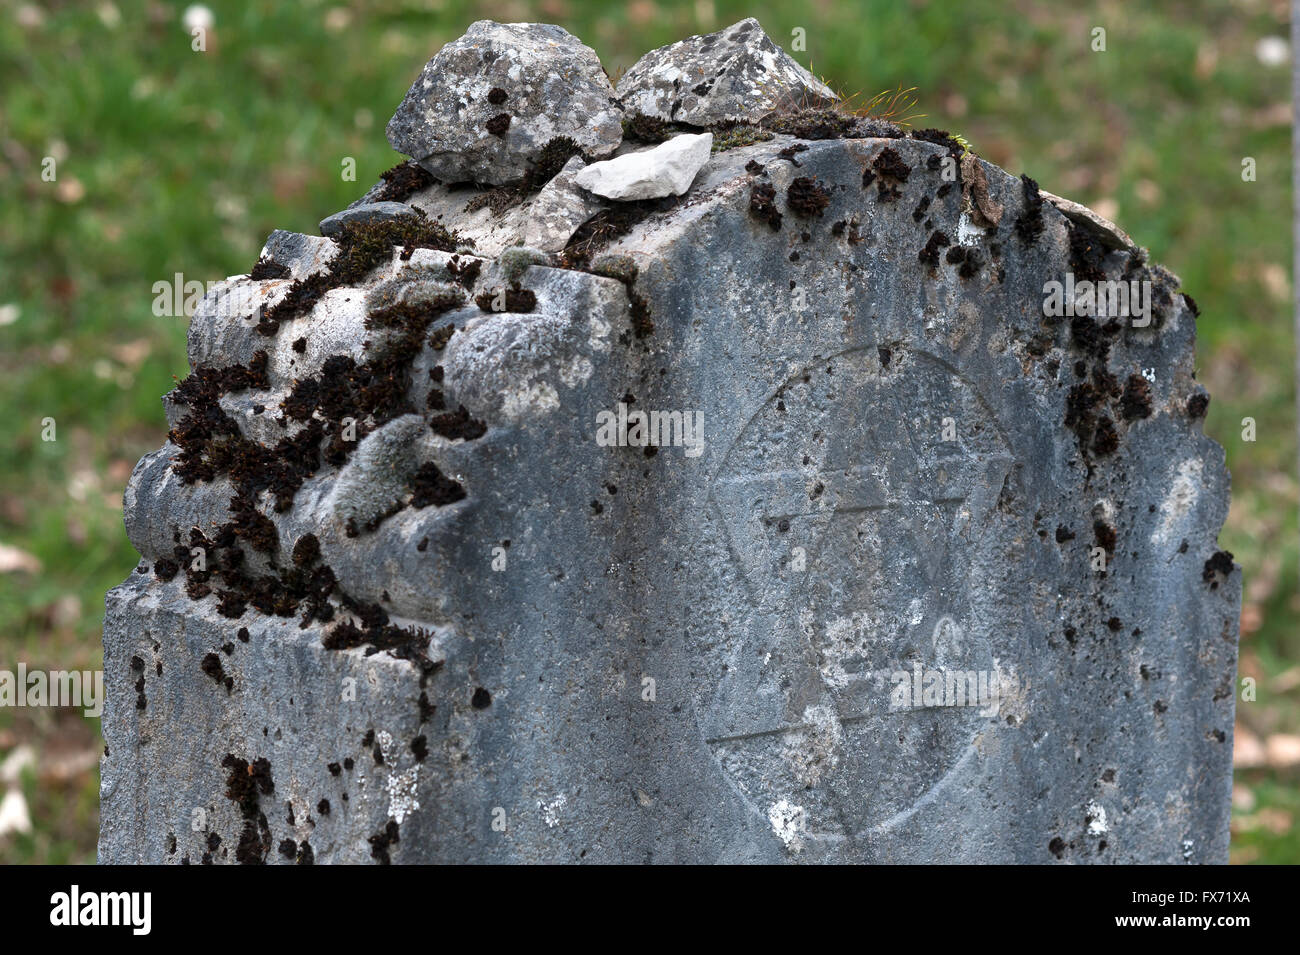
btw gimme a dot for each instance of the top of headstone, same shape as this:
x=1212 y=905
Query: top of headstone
x=738 y=73
x=488 y=103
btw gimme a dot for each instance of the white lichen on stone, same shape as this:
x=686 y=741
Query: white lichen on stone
x=403 y=792
x=789 y=822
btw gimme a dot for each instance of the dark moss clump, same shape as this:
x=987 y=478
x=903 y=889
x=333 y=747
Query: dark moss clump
x=516 y=300
x=231 y=604
x=499 y=200
x=438 y=340
x=201 y=391
x=1087 y=255
x=247 y=782
x=362 y=248
x=266 y=269
x=762 y=205
x=807 y=197
x=1217 y=569
x=464 y=271
x=371 y=393
x=306 y=552
x=382 y=841
x=1104 y=439
x=940 y=137
x=1080 y=410
x=550 y=161
x=1063 y=534
x=496 y=96
x=409 y=315
x=1107 y=384
x=642 y=324
x=211 y=665
x=165 y=569
x=1089 y=337
x=891 y=165
x=1191 y=305
x=377 y=634
x=245 y=785
x=1105 y=535
x=1029 y=224
x=252 y=526
x=420 y=748
x=458 y=424
x=403 y=181
x=1198 y=404
x=791 y=151
x=930 y=253
x=1135 y=402
x=430 y=487
x=279 y=594
x=427 y=709
x=498 y=124
x=647 y=129
x=921 y=209
x=817 y=123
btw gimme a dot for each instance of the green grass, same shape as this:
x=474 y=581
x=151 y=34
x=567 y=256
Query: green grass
x=186 y=161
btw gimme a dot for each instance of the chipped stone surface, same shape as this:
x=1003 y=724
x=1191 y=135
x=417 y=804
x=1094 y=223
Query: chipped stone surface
x=557 y=211
x=549 y=85
x=1107 y=231
x=735 y=74
x=865 y=624
x=665 y=170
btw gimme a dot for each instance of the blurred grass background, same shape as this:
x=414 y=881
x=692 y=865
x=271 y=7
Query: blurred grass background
x=170 y=160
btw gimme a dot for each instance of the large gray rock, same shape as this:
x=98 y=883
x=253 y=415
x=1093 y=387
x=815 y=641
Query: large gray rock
x=734 y=74
x=905 y=476
x=486 y=104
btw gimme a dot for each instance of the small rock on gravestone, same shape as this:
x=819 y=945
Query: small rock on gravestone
x=666 y=170
x=487 y=104
x=734 y=74
x=795 y=519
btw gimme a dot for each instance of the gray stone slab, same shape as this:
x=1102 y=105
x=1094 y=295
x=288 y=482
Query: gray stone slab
x=906 y=476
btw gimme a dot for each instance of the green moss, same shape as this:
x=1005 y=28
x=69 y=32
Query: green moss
x=742 y=134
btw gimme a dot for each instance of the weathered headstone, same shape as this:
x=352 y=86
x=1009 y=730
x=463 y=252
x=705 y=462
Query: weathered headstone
x=791 y=519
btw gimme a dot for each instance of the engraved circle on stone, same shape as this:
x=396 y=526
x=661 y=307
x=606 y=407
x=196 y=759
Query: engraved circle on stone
x=880 y=509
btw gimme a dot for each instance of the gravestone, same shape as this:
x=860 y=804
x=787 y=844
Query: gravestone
x=783 y=520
